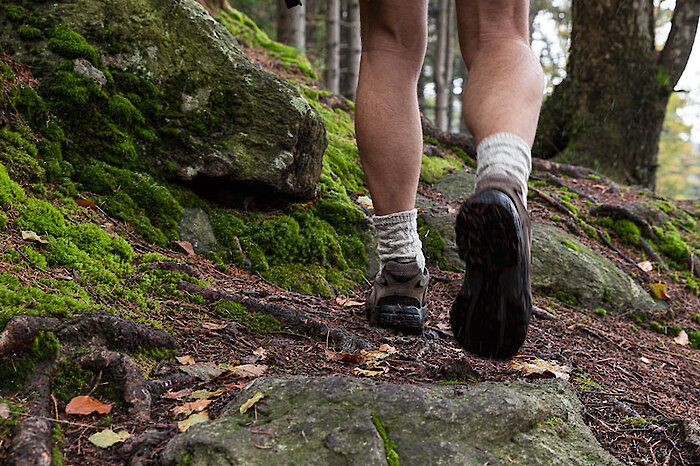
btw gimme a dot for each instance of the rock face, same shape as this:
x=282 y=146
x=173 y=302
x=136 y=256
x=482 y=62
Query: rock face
x=194 y=226
x=561 y=263
x=223 y=119
x=334 y=420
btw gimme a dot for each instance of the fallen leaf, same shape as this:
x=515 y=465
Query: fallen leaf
x=365 y=201
x=248 y=370
x=178 y=395
x=187 y=247
x=539 y=368
x=348 y=302
x=86 y=203
x=196 y=418
x=204 y=394
x=86 y=405
x=203 y=371
x=260 y=352
x=645 y=360
x=681 y=339
x=346 y=358
x=646 y=266
x=213 y=326
x=107 y=438
x=185 y=360
x=383 y=352
x=4 y=410
x=192 y=406
x=32 y=236
x=659 y=291
x=372 y=372
x=251 y=401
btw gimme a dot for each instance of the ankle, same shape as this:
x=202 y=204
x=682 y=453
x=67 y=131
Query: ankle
x=397 y=238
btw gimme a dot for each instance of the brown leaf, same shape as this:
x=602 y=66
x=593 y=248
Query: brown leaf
x=32 y=236
x=372 y=372
x=187 y=247
x=646 y=266
x=185 y=360
x=681 y=339
x=348 y=302
x=178 y=395
x=346 y=358
x=86 y=405
x=213 y=326
x=248 y=370
x=196 y=418
x=539 y=368
x=383 y=352
x=86 y=203
x=191 y=407
x=260 y=352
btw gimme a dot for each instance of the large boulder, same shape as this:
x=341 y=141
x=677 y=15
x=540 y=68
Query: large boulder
x=340 y=420
x=218 y=118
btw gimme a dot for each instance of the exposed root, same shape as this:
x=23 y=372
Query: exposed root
x=573 y=171
x=104 y=329
x=556 y=181
x=617 y=212
x=31 y=442
x=653 y=255
x=173 y=266
x=139 y=449
x=122 y=369
x=170 y=382
x=287 y=316
x=21 y=330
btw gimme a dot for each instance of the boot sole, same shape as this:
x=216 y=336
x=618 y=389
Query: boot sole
x=408 y=319
x=491 y=313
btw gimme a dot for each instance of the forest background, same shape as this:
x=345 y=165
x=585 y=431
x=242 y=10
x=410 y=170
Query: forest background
x=328 y=32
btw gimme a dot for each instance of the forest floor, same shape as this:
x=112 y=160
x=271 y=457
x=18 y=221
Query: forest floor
x=636 y=385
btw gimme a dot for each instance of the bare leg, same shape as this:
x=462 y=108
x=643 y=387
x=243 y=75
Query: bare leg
x=387 y=119
x=505 y=84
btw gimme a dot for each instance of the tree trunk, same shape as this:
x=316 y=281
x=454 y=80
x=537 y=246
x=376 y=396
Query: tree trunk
x=609 y=111
x=443 y=68
x=332 y=74
x=351 y=68
x=291 y=26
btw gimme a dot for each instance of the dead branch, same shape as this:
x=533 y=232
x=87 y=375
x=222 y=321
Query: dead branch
x=573 y=171
x=288 y=316
x=122 y=369
x=172 y=266
x=556 y=181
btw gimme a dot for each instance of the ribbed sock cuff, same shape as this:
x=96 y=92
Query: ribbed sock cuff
x=504 y=154
x=397 y=237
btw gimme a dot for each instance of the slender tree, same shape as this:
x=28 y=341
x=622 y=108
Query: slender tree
x=291 y=25
x=332 y=73
x=608 y=113
x=443 y=63
x=352 y=50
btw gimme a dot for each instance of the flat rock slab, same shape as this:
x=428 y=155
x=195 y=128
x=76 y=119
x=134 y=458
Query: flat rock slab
x=332 y=420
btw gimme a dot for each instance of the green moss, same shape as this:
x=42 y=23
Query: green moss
x=313 y=279
x=600 y=312
x=555 y=218
x=3 y=220
x=70 y=44
x=44 y=346
x=15 y=373
x=10 y=192
x=464 y=157
x=123 y=111
x=695 y=317
x=564 y=297
x=71 y=380
x=628 y=231
x=16 y=413
x=607 y=297
x=434 y=168
x=433 y=242
x=16 y=13
x=606 y=222
x=19 y=156
x=636 y=422
x=392 y=458
x=255 y=321
x=27 y=32
x=570 y=245
x=693 y=338
x=657 y=327
x=58 y=443
x=672 y=245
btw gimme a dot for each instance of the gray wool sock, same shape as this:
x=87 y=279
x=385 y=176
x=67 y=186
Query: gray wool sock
x=504 y=154
x=397 y=238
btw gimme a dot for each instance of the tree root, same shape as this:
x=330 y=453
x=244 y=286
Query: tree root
x=20 y=331
x=172 y=266
x=31 y=440
x=573 y=171
x=122 y=369
x=140 y=448
x=617 y=212
x=651 y=253
x=556 y=181
x=104 y=329
x=170 y=382
x=288 y=316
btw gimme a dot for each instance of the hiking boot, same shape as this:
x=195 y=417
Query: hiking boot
x=491 y=313
x=398 y=298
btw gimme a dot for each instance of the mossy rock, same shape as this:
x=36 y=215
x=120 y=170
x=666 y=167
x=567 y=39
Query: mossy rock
x=580 y=272
x=343 y=420
x=170 y=92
